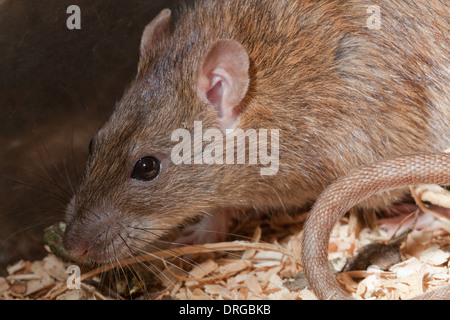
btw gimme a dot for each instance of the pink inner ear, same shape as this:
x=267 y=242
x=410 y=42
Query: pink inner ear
x=215 y=97
x=223 y=80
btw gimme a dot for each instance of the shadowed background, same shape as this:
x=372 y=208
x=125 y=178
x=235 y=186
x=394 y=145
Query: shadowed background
x=57 y=86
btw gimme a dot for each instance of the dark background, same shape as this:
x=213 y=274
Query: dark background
x=57 y=86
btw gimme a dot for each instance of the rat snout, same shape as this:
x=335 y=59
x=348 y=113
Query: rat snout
x=77 y=249
x=93 y=237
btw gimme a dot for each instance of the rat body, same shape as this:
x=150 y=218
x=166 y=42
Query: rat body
x=341 y=95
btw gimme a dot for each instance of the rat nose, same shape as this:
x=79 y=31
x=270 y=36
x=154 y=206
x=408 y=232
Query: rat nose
x=77 y=249
x=79 y=252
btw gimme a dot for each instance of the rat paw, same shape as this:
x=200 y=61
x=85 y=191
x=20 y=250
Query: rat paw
x=211 y=229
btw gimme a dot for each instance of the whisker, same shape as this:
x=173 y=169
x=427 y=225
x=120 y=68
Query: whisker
x=113 y=275
x=173 y=243
x=159 y=271
x=168 y=262
x=49 y=180
x=136 y=247
x=173 y=252
x=145 y=266
x=194 y=265
x=74 y=167
x=52 y=194
x=123 y=271
x=128 y=284
x=90 y=211
x=68 y=178
x=48 y=155
x=24 y=229
x=138 y=276
x=97 y=238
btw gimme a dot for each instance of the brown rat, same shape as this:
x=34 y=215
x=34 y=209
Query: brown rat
x=340 y=93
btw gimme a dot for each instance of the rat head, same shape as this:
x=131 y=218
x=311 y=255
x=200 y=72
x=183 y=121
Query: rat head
x=132 y=192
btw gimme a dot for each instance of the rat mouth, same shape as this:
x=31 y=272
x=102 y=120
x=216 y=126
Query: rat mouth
x=109 y=238
x=95 y=241
x=108 y=252
x=91 y=252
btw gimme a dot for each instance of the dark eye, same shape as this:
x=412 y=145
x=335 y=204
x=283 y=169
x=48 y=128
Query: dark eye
x=146 y=169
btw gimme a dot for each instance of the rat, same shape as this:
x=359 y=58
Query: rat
x=339 y=92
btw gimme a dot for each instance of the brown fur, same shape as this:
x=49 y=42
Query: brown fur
x=341 y=94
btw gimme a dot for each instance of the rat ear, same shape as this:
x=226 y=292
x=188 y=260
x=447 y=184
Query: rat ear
x=223 y=80
x=155 y=30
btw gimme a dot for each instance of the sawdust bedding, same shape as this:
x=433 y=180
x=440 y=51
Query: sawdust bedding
x=264 y=267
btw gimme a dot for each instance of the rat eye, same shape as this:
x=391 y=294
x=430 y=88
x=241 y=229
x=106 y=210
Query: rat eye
x=146 y=169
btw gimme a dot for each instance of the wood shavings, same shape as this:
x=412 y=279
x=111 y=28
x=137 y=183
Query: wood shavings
x=30 y=280
x=437 y=196
x=434 y=194
x=266 y=269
